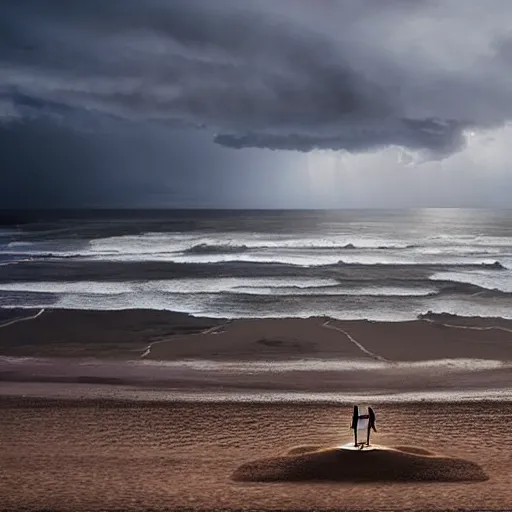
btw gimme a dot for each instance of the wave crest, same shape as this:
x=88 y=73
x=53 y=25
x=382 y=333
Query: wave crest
x=216 y=249
x=209 y=248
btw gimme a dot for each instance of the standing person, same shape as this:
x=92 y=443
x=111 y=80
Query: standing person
x=362 y=422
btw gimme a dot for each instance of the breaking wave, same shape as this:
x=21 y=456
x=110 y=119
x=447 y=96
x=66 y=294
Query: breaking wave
x=264 y=287
x=448 y=287
x=207 y=248
x=216 y=249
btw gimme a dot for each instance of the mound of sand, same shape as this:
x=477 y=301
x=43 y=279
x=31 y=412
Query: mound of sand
x=399 y=464
x=299 y=450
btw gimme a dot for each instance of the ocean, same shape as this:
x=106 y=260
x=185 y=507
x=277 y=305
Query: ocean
x=352 y=264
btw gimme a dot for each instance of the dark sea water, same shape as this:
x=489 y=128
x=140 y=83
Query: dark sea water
x=381 y=265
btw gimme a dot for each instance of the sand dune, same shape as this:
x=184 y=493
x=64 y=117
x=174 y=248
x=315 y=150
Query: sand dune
x=381 y=464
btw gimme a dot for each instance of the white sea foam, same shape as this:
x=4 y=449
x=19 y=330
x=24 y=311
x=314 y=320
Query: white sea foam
x=328 y=365
x=370 y=291
x=13 y=245
x=185 y=285
x=154 y=368
x=286 y=286
x=80 y=287
x=297 y=258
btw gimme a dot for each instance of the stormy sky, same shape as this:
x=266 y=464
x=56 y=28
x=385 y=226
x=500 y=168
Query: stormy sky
x=255 y=103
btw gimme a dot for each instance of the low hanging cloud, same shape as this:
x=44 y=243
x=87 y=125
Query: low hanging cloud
x=296 y=75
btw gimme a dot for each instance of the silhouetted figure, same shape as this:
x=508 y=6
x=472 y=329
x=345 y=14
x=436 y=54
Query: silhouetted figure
x=362 y=422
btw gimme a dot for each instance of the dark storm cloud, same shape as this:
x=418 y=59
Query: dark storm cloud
x=293 y=75
x=122 y=101
x=45 y=164
x=76 y=162
x=440 y=137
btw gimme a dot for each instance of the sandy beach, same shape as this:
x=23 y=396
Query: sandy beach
x=108 y=455
x=139 y=410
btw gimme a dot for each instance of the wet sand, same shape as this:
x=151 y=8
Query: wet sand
x=326 y=338
x=78 y=333
x=174 y=336
x=137 y=351
x=111 y=455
